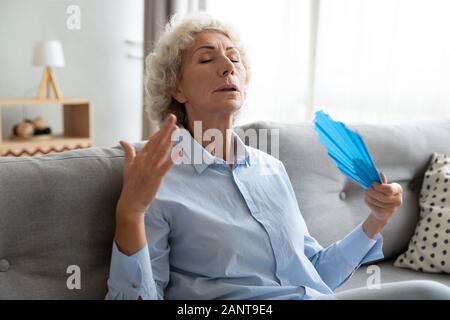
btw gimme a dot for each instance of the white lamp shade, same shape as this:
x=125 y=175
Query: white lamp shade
x=48 y=53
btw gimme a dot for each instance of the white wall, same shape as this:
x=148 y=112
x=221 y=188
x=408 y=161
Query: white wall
x=97 y=67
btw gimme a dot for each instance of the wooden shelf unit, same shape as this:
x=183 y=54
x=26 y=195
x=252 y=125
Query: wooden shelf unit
x=77 y=128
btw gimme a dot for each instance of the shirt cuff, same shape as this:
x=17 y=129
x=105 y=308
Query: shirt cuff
x=131 y=277
x=357 y=248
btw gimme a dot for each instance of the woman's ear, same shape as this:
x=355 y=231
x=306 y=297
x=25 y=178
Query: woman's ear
x=178 y=95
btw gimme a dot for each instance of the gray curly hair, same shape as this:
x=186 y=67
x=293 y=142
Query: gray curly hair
x=163 y=65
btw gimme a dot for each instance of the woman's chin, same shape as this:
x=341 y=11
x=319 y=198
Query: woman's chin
x=231 y=105
x=231 y=108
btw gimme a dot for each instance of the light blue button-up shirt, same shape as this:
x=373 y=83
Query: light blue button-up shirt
x=217 y=233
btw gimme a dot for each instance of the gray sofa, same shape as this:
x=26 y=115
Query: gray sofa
x=58 y=210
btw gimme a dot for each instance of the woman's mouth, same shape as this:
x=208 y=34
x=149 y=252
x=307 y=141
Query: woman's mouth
x=228 y=91
x=227 y=88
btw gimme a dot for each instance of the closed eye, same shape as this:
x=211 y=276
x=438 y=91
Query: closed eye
x=206 y=61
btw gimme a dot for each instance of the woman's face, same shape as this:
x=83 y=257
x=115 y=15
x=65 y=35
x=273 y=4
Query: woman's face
x=209 y=64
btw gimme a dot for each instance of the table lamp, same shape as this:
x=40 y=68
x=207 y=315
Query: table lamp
x=48 y=54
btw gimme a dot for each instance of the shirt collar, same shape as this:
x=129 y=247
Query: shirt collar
x=200 y=158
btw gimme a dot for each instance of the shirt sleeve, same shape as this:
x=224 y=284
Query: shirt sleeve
x=145 y=274
x=337 y=263
x=130 y=277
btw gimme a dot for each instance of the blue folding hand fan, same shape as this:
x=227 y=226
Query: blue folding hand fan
x=347 y=149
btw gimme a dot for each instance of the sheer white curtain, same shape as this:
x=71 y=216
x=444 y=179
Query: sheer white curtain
x=374 y=61
x=385 y=60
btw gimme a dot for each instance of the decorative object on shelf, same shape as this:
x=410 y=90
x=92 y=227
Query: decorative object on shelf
x=35 y=129
x=40 y=127
x=49 y=54
x=25 y=129
x=76 y=125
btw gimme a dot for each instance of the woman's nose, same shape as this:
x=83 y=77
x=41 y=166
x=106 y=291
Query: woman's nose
x=226 y=68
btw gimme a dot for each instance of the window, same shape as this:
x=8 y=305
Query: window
x=362 y=61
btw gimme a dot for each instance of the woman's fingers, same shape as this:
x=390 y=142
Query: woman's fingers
x=156 y=149
x=381 y=196
x=164 y=132
x=377 y=209
x=383 y=199
x=163 y=149
x=383 y=178
x=389 y=189
x=168 y=126
x=168 y=163
x=378 y=203
x=129 y=151
x=144 y=172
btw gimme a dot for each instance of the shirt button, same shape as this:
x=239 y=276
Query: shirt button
x=134 y=285
x=342 y=195
x=4 y=265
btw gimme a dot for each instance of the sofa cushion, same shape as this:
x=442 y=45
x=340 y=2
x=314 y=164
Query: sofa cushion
x=389 y=273
x=57 y=211
x=429 y=248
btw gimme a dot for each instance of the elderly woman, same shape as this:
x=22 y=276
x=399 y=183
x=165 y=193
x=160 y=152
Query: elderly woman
x=219 y=228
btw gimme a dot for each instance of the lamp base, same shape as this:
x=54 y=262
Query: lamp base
x=47 y=83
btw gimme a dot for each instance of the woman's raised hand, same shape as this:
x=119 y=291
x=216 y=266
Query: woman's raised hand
x=143 y=173
x=383 y=199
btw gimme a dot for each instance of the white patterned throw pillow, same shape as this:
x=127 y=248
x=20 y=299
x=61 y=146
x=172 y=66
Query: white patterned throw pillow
x=429 y=248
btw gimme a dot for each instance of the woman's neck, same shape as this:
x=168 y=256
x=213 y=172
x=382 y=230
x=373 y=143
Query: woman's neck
x=206 y=131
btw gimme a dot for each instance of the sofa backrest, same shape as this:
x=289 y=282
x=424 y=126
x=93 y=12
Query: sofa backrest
x=331 y=203
x=57 y=211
